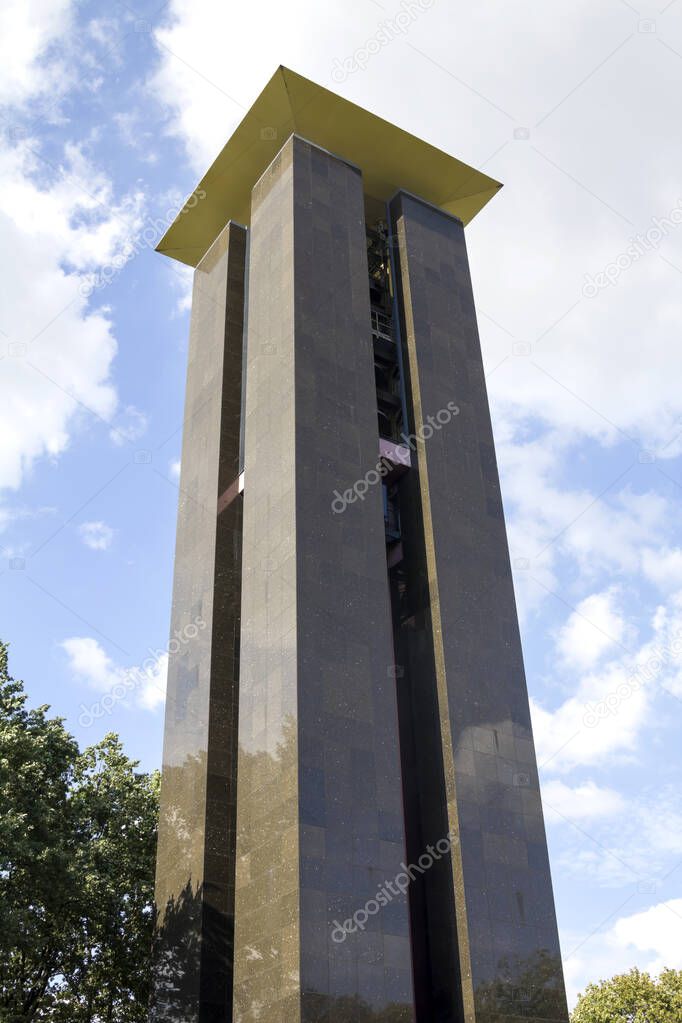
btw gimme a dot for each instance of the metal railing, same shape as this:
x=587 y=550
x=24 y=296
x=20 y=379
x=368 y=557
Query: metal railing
x=382 y=325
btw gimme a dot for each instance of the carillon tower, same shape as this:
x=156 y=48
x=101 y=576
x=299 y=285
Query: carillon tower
x=351 y=828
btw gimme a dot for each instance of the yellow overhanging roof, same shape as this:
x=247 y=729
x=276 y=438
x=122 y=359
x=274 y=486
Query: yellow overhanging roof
x=390 y=159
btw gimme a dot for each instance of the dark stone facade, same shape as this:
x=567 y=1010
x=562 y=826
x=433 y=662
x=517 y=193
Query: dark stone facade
x=471 y=746
x=319 y=817
x=195 y=867
x=335 y=718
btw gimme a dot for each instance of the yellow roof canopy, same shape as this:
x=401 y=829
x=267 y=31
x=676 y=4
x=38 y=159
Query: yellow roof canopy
x=390 y=159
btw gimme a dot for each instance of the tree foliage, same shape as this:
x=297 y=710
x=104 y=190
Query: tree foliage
x=632 y=997
x=77 y=850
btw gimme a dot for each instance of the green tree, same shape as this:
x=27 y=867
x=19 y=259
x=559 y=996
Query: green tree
x=77 y=850
x=632 y=997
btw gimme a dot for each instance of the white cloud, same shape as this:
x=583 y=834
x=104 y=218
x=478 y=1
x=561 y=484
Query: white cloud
x=611 y=704
x=57 y=353
x=650 y=939
x=207 y=106
x=144 y=685
x=136 y=132
x=182 y=281
x=71 y=204
x=21 y=513
x=563 y=738
x=594 y=628
x=580 y=802
x=152 y=692
x=90 y=663
x=608 y=840
x=663 y=566
x=96 y=535
x=59 y=218
x=130 y=426
x=553 y=526
x=28 y=28
x=103 y=30
x=656 y=931
x=174 y=469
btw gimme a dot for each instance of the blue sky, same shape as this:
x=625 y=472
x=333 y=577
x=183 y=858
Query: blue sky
x=110 y=113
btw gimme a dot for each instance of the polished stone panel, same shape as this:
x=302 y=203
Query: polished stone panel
x=465 y=721
x=320 y=819
x=195 y=870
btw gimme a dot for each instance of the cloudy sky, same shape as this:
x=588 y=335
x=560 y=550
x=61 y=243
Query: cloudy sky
x=111 y=112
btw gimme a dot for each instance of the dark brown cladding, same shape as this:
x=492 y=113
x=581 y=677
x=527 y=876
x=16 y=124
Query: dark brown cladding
x=465 y=691
x=195 y=869
x=320 y=821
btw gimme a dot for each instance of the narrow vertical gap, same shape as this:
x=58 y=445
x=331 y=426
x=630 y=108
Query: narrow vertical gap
x=433 y=931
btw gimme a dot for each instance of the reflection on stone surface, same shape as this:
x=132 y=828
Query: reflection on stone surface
x=346 y=1009
x=346 y=967
x=193 y=941
x=531 y=988
x=176 y=955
